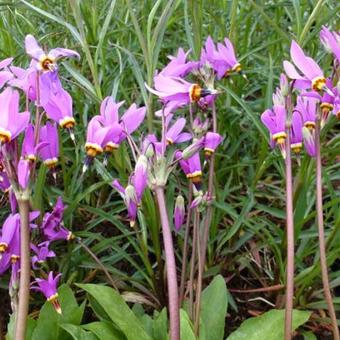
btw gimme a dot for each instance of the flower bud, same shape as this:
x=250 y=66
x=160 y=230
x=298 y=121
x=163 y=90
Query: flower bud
x=179 y=212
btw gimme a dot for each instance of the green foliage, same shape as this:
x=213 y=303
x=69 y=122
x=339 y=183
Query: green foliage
x=268 y=326
x=214 y=310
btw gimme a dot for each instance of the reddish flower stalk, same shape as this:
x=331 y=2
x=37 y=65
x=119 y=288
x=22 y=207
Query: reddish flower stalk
x=290 y=238
x=25 y=270
x=170 y=265
x=322 y=247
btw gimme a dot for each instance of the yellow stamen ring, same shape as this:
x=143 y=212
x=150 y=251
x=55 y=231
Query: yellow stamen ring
x=110 y=147
x=67 y=122
x=51 y=162
x=5 y=136
x=318 y=83
x=279 y=137
x=237 y=67
x=93 y=149
x=310 y=125
x=195 y=92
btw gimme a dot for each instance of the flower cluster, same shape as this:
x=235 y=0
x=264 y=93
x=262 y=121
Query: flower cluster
x=315 y=98
x=181 y=84
x=41 y=86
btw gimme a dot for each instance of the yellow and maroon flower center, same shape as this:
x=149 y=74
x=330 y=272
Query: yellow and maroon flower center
x=93 y=149
x=3 y=247
x=279 y=137
x=208 y=151
x=51 y=162
x=310 y=125
x=195 y=176
x=195 y=92
x=5 y=136
x=67 y=123
x=237 y=67
x=31 y=158
x=110 y=147
x=14 y=258
x=338 y=115
x=296 y=147
x=318 y=83
x=326 y=107
x=46 y=63
x=54 y=300
x=169 y=141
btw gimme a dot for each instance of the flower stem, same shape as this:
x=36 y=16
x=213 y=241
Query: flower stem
x=185 y=248
x=322 y=247
x=290 y=241
x=25 y=270
x=170 y=265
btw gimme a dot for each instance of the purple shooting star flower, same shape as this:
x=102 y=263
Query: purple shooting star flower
x=312 y=74
x=307 y=107
x=178 y=66
x=49 y=288
x=42 y=253
x=179 y=212
x=12 y=123
x=46 y=62
x=275 y=121
x=296 y=133
x=174 y=135
x=9 y=229
x=331 y=41
x=178 y=91
x=58 y=107
x=211 y=141
x=49 y=152
x=191 y=167
x=129 y=122
x=52 y=224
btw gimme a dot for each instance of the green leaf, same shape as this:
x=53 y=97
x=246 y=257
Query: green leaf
x=269 y=326
x=49 y=320
x=104 y=330
x=118 y=311
x=160 y=326
x=187 y=332
x=214 y=308
x=78 y=333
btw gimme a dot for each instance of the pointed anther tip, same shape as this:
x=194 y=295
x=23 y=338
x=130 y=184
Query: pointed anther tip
x=85 y=167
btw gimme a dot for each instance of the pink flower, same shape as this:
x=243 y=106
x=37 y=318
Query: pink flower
x=49 y=288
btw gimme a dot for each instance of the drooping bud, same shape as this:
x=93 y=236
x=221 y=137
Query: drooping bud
x=309 y=141
x=131 y=203
x=140 y=177
x=179 y=212
x=284 y=85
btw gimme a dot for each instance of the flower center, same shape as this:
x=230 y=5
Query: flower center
x=237 y=68
x=195 y=176
x=67 y=122
x=3 y=247
x=51 y=162
x=296 y=147
x=93 y=149
x=195 y=93
x=279 y=137
x=5 y=136
x=310 y=125
x=47 y=64
x=318 y=83
x=110 y=147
